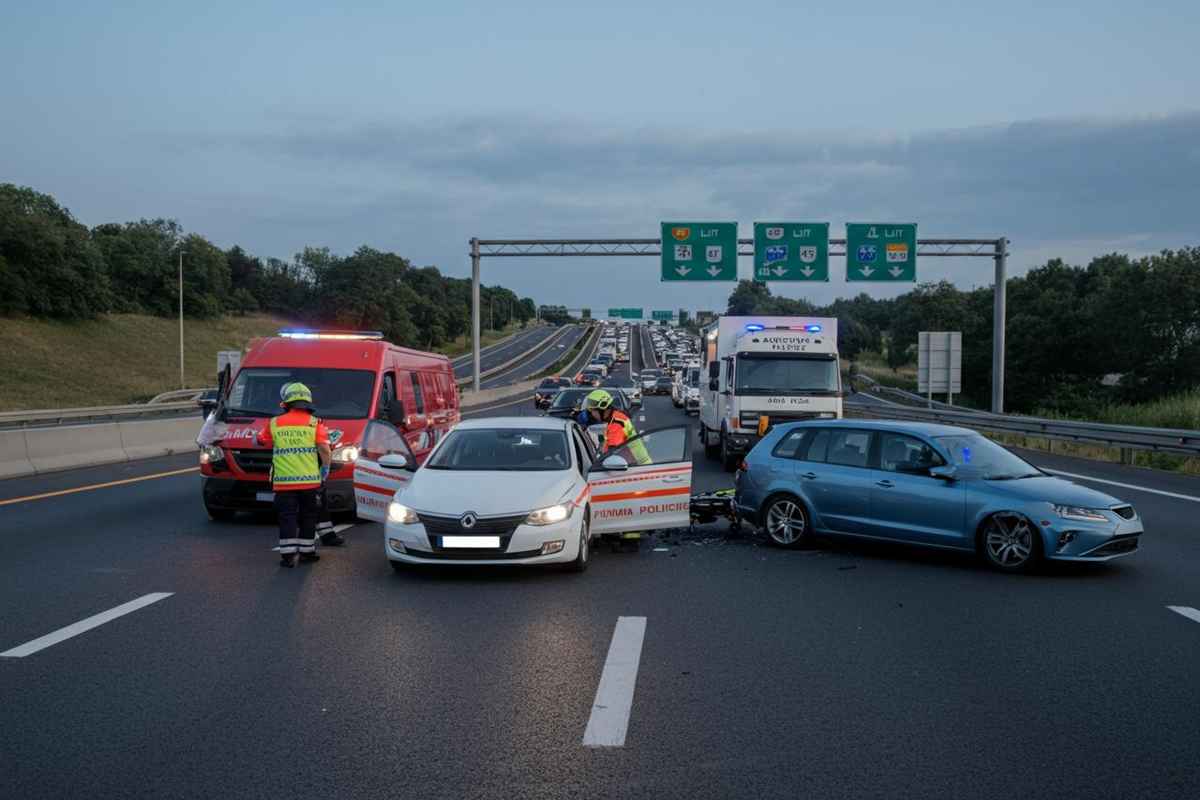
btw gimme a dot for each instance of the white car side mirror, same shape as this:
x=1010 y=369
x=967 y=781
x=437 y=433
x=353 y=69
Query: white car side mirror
x=614 y=463
x=393 y=461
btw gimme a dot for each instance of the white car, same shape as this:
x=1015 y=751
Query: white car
x=519 y=490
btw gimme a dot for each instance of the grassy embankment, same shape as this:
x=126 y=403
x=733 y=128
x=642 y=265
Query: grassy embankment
x=1176 y=411
x=113 y=360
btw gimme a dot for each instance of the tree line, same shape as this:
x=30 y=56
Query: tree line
x=1120 y=329
x=54 y=266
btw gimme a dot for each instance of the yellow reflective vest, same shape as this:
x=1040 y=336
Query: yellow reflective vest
x=294 y=461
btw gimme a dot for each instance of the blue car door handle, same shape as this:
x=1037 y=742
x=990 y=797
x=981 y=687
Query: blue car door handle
x=885 y=484
x=809 y=475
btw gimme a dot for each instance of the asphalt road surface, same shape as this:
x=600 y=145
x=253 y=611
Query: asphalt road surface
x=505 y=351
x=847 y=670
x=539 y=363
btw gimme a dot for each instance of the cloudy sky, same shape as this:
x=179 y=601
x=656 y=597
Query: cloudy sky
x=1071 y=128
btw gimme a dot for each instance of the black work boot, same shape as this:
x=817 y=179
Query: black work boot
x=287 y=560
x=307 y=557
x=333 y=539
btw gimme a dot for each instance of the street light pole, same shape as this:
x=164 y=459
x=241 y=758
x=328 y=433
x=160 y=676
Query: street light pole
x=182 y=382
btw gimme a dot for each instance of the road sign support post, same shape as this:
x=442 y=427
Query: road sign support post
x=475 y=313
x=998 y=319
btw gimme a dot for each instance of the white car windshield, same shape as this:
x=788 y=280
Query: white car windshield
x=502 y=449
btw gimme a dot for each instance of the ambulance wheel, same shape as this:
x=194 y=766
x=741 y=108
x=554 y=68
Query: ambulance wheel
x=219 y=514
x=710 y=450
x=728 y=460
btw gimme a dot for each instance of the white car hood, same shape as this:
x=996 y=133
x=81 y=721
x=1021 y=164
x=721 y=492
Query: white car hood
x=454 y=492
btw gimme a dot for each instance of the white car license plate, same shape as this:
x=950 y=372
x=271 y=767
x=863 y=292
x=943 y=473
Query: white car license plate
x=470 y=541
x=265 y=497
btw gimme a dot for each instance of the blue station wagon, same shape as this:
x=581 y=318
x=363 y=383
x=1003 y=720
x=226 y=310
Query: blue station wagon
x=932 y=485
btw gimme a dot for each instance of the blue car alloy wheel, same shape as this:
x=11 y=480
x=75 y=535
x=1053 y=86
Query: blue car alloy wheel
x=786 y=522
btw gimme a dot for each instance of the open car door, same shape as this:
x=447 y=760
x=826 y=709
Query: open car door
x=375 y=483
x=644 y=485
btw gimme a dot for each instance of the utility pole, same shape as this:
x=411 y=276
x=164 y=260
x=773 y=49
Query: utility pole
x=182 y=382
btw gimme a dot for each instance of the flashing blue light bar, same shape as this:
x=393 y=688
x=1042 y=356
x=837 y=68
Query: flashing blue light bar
x=754 y=326
x=299 y=333
x=813 y=328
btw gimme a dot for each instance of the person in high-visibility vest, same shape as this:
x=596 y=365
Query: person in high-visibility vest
x=618 y=428
x=300 y=460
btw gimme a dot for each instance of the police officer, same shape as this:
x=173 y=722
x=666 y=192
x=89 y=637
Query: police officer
x=300 y=457
x=618 y=428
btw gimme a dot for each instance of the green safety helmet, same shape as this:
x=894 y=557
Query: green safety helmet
x=598 y=399
x=295 y=395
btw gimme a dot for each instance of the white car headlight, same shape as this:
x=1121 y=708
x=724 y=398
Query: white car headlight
x=550 y=515
x=346 y=455
x=211 y=454
x=1079 y=513
x=401 y=514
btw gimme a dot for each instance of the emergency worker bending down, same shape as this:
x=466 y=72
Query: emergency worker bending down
x=300 y=460
x=618 y=428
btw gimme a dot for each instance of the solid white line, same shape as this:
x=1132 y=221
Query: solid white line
x=1122 y=485
x=1186 y=611
x=614 y=696
x=84 y=625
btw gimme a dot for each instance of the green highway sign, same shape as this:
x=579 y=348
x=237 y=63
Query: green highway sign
x=625 y=313
x=656 y=314
x=791 y=251
x=699 y=251
x=881 y=252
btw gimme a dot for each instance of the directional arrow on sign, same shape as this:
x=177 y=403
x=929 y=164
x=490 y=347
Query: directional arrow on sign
x=866 y=271
x=714 y=270
x=807 y=272
x=683 y=270
x=780 y=271
x=896 y=272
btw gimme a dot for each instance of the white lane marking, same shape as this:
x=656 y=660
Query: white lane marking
x=614 y=696
x=1186 y=611
x=83 y=626
x=1122 y=485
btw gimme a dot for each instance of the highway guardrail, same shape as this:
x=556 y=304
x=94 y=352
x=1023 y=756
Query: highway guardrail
x=1125 y=437
x=532 y=352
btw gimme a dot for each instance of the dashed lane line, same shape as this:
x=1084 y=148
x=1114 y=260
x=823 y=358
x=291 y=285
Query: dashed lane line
x=609 y=720
x=1134 y=486
x=93 y=486
x=1186 y=611
x=83 y=626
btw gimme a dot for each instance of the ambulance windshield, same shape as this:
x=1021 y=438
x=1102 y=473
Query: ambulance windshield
x=337 y=393
x=790 y=374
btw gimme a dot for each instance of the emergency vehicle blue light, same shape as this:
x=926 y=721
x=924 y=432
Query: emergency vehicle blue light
x=754 y=326
x=300 y=333
x=813 y=328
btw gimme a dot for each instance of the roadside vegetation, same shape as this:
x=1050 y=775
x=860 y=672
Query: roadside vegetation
x=113 y=359
x=53 y=267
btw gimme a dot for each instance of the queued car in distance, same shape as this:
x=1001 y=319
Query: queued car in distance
x=548 y=389
x=568 y=402
x=525 y=490
x=662 y=385
x=589 y=376
x=365 y=389
x=924 y=484
x=648 y=378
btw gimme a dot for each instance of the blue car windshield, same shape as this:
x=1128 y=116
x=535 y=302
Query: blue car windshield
x=991 y=460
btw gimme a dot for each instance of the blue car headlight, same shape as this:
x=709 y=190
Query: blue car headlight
x=1080 y=513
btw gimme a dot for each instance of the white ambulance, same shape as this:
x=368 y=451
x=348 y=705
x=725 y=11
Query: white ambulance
x=758 y=371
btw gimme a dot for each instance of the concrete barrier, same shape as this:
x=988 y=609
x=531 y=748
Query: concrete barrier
x=472 y=401
x=159 y=437
x=74 y=446
x=14 y=455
